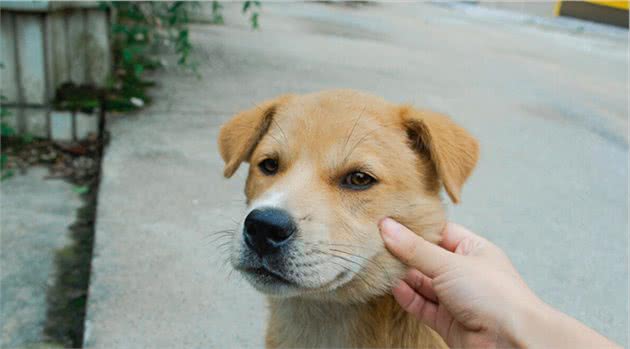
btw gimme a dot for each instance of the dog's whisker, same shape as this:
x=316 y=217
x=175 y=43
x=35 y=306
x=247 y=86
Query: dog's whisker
x=225 y=262
x=363 y=138
x=222 y=231
x=373 y=262
x=219 y=238
x=356 y=273
x=352 y=130
x=224 y=250
x=219 y=234
x=368 y=260
x=224 y=246
x=211 y=243
x=325 y=243
x=286 y=140
x=228 y=232
x=348 y=269
x=255 y=128
x=275 y=122
x=216 y=240
x=230 y=273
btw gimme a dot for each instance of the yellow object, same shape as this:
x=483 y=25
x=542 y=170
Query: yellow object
x=616 y=4
x=556 y=9
x=622 y=5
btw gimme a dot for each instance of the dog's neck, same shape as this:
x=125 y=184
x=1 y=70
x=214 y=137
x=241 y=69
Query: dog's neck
x=298 y=322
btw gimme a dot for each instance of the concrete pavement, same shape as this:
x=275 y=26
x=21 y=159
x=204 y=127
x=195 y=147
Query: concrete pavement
x=547 y=103
x=36 y=214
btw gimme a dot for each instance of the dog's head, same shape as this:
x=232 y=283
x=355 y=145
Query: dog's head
x=324 y=169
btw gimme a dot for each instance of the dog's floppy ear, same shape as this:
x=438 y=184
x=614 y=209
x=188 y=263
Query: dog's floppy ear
x=452 y=150
x=239 y=136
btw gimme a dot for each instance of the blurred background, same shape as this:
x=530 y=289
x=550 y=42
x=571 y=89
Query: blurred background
x=112 y=184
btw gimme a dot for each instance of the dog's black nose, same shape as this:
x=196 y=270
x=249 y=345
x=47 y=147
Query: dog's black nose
x=267 y=229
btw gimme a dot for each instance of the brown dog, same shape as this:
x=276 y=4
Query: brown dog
x=325 y=168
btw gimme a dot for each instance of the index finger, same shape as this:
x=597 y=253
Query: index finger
x=413 y=250
x=453 y=234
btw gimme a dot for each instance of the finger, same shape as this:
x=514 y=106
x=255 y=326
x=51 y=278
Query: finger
x=462 y=241
x=421 y=283
x=454 y=234
x=415 y=304
x=413 y=250
x=444 y=323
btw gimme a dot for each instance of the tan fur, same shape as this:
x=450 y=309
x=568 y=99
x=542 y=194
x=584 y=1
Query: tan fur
x=452 y=150
x=378 y=323
x=239 y=136
x=345 y=270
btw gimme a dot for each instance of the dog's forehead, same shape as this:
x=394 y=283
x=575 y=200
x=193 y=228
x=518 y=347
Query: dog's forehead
x=334 y=114
x=333 y=131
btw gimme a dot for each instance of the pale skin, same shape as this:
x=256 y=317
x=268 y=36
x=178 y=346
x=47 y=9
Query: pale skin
x=467 y=290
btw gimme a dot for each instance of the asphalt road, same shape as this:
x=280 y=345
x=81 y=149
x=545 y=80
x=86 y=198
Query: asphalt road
x=548 y=101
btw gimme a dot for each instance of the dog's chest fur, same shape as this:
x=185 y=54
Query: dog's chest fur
x=316 y=324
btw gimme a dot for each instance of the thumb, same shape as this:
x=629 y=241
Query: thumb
x=413 y=250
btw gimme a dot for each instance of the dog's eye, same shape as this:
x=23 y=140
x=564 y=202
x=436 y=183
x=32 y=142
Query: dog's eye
x=358 y=181
x=268 y=166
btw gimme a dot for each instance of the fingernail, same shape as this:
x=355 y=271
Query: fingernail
x=390 y=229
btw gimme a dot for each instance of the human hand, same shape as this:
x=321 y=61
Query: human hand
x=466 y=289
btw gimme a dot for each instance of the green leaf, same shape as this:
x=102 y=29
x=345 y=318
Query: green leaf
x=138 y=69
x=6 y=130
x=127 y=54
x=254 y=20
x=3 y=163
x=6 y=174
x=183 y=34
x=27 y=138
x=4 y=112
x=140 y=30
x=119 y=28
x=81 y=189
x=104 y=5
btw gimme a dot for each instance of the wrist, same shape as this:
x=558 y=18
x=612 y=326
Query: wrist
x=528 y=319
x=541 y=326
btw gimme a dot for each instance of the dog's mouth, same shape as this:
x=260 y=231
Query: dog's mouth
x=267 y=280
x=294 y=272
x=266 y=275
